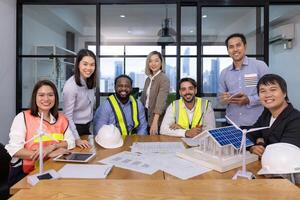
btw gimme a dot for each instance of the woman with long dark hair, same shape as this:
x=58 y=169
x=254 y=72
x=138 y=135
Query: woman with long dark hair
x=24 y=153
x=79 y=96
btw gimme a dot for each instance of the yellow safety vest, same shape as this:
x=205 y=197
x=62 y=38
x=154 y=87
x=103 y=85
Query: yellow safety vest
x=181 y=116
x=120 y=117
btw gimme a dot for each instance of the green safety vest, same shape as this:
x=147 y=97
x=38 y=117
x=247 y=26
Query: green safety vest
x=120 y=115
x=181 y=116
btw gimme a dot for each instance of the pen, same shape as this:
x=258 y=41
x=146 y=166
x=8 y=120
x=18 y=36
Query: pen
x=200 y=118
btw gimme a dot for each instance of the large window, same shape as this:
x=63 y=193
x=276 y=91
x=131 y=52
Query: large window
x=131 y=60
x=128 y=34
x=189 y=35
x=246 y=20
x=51 y=36
x=212 y=67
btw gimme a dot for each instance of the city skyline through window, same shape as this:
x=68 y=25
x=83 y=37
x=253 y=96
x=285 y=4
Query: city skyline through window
x=131 y=60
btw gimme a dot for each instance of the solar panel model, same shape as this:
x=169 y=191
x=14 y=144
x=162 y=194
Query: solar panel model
x=229 y=135
x=219 y=149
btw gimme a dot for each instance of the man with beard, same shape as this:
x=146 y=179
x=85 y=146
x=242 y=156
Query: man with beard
x=237 y=83
x=122 y=110
x=190 y=115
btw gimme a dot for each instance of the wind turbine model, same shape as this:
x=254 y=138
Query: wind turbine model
x=244 y=173
x=50 y=174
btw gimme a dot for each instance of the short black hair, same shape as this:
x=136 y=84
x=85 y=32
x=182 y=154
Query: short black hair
x=187 y=79
x=239 y=35
x=123 y=76
x=269 y=79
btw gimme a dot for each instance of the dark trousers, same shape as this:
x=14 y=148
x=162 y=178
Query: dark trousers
x=15 y=175
x=83 y=129
x=4 y=172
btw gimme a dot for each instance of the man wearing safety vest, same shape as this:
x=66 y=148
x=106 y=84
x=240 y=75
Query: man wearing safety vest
x=190 y=115
x=122 y=110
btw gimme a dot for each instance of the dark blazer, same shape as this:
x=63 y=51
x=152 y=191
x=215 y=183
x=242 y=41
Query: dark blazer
x=158 y=96
x=286 y=127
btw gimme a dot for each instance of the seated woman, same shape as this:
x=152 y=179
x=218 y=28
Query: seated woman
x=44 y=100
x=279 y=114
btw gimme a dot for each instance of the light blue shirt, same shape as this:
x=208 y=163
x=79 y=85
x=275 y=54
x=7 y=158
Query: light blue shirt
x=243 y=80
x=78 y=103
x=105 y=116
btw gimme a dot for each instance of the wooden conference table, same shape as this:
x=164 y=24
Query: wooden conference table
x=155 y=186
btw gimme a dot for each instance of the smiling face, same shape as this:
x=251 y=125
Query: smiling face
x=87 y=67
x=187 y=91
x=236 y=49
x=154 y=64
x=272 y=97
x=123 y=89
x=45 y=99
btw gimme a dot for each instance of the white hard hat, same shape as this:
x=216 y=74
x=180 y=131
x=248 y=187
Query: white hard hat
x=280 y=158
x=109 y=137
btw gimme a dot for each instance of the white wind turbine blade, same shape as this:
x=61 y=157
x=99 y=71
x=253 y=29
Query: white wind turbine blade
x=43 y=132
x=243 y=141
x=232 y=123
x=41 y=157
x=41 y=121
x=257 y=129
x=32 y=139
x=39 y=130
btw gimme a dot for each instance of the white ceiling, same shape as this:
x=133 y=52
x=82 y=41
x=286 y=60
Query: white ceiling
x=144 y=21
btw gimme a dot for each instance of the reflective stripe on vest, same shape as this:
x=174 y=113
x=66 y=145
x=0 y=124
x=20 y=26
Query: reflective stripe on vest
x=45 y=138
x=120 y=115
x=181 y=116
x=56 y=130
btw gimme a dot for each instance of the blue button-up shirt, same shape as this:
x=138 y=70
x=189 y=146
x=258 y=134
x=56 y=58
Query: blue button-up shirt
x=243 y=80
x=105 y=115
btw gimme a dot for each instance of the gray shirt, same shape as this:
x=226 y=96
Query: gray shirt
x=78 y=103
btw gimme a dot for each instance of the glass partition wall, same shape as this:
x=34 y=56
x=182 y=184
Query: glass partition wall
x=51 y=35
x=189 y=35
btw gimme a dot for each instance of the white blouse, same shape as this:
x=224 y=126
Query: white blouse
x=18 y=133
x=148 y=89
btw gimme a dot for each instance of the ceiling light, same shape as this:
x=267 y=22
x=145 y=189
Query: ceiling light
x=166 y=32
x=191 y=31
x=204 y=16
x=122 y=16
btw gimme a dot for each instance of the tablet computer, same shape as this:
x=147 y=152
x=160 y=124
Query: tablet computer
x=81 y=157
x=236 y=95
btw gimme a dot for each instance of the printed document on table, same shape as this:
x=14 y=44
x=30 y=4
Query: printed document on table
x=131 y=161
x=85 y=171
x=157 y=147
x=179 y=167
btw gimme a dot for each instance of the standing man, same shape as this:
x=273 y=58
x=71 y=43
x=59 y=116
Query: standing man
x=190 y=115
x=237 y=85
x=122 y=110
